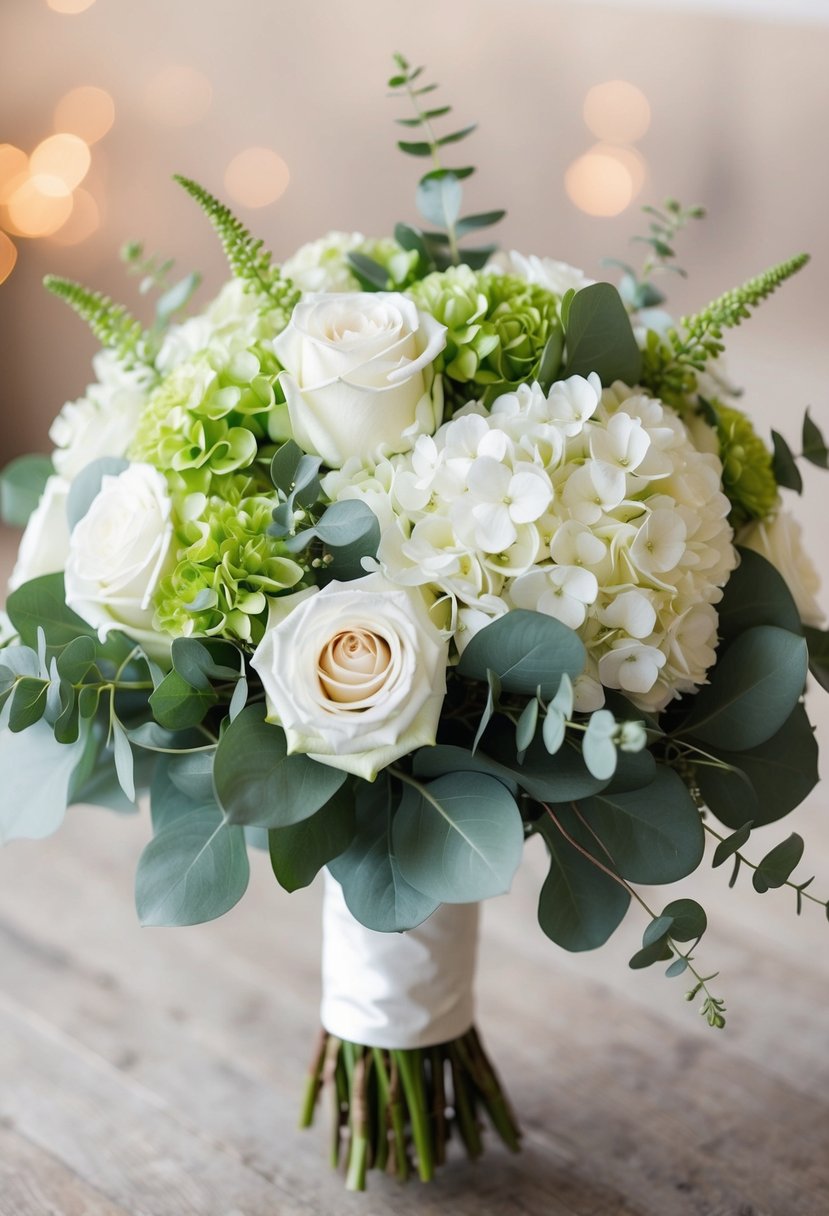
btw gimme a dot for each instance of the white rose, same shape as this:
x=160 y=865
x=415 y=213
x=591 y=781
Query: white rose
x=355 y=674
x=779 y=541
x=44 y=546
x=358 y=374
x=104 y=421
x=118 y=553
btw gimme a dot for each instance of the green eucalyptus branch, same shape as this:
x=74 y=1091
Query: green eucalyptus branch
x=740 y=859
x=713 y=1008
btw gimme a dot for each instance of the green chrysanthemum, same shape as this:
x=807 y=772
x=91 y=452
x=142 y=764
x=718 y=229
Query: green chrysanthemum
x=207 y=417
x=748 y=479
x=228 y=565
x=498 y=325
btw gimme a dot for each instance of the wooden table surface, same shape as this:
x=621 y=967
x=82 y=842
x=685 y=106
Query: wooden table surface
x=157 y=1072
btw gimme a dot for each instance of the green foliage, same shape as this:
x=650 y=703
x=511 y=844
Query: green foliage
x=22 y=482
x=439 y=192
x=818 y=642
x=671 y=366
x=580 y=904
x=459 y=838
x=194 y=870
x=528 y=651
x=299 y=851
x=763 y=783
x=248 y=258
x=666 y=223
x=654 y=834
x=784 y=465
x=35 y=776
x=258 y=783
x=599 y=337
x=776 y=867
x=155 y=276
x=374 y=888
x=814 y=445
x=41 y=604
x=748 y=472
x=756 y=594
x=111 y=323
x=754 y=687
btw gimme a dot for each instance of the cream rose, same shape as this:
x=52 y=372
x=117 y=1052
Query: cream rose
x=118 y=553
x=359 y=377
x=779 y=541
x=355 y=674
x=103 y=422
x=44 y=545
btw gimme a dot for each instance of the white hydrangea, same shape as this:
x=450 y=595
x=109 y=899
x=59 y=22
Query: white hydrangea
x=231 y=323
x=558 y=277
x=103 y=421
x=592 y=506
x=322 y=265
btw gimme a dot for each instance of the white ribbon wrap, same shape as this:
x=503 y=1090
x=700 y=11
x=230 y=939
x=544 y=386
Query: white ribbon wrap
x=397 y=990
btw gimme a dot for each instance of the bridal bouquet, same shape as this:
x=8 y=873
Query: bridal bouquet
x=391 y=557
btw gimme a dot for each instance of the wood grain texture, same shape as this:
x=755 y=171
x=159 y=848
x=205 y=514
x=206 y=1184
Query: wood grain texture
x=157 y=1072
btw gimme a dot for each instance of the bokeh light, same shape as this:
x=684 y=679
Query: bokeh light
x=617 y=112
x=257 y=177
x=36 y=208
x=69 y=7
x=178 y=95
x=87 y=111
x=62 y=159
x=84 y=221
x=14 y=169
x=8 y=256
x=599 y=182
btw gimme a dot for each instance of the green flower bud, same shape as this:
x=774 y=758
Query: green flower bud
x=748 y=479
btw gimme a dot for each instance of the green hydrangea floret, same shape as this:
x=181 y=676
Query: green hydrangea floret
x=228 y=565
x=748 y=479
x=497 y=325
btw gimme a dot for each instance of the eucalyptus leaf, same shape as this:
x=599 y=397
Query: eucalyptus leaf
x=528 y=651
x=177 y=705
x=688 y=919
x=818 y=642
x=756 y=594
x=600 y=338
x=814 y=445
x=731 y=844
x=579 y=905
x=444 y=758
x=41 y=604
x=459 y=838
x=193 y=871
x=298 y=852
x=124 y=764
x=22 y=483
x=653 y=835
x=35 y=776
x=375 y=891
x=167 y=801
x=776 y=867
x=28 y=703
x=372 y=275
x=657 y=952
x=257 y=782
x=754 y=688
x=766 y=782
x=439 y=200
x=87 y=484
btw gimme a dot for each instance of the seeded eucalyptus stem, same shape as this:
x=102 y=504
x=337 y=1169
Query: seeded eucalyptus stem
x=394 y=1106
x=741 y=859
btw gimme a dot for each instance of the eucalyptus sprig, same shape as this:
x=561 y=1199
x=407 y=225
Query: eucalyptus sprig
x=439 y=192
x=155 y=271
x=666 y=223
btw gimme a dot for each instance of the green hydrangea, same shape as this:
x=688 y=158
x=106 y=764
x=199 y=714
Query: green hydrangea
x=399 y=262
x=497 y=325
x=227 y=564
x=748 y=479
x=206 y=418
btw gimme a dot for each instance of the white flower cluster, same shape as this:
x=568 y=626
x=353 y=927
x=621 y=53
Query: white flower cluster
x=594 y=507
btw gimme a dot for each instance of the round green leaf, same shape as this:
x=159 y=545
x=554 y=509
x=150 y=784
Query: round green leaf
x=688 y=919
x=654 y=834
x=579 y=906
x=257 y=782
x=754 y=687
x=527 y=651
x=375 y=891
x=756 y=594
x=460 y=838
x=299 y=851
x=194 y=870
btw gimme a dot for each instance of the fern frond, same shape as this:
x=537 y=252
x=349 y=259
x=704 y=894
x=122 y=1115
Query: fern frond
x=248 y=258
x=112 y=324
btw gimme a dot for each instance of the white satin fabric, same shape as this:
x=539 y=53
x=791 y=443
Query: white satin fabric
x=397 y=990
